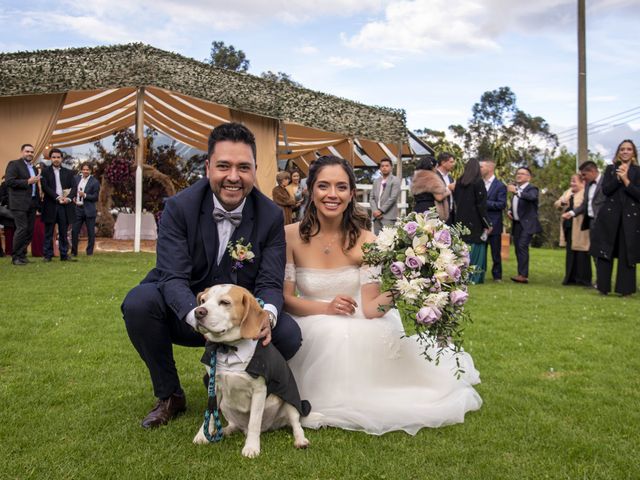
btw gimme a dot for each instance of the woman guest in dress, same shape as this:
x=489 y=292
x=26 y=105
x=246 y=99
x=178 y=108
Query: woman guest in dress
x=281 y=197
x=576 y=240
x=616 y=229
x=470 y=197
x=428 y=188
x=296 y=191
x=356 y=366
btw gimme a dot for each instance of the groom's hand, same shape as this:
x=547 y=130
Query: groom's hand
x=265 y=331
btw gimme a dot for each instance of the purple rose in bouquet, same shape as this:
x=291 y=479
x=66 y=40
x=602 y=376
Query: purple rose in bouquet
x=396 y=269
x=453 y=272
x=414 y=263
x=442 y=238
x=428 y=315
x=411 y=228
x=458 y=297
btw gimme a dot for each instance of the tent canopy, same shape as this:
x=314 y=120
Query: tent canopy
x=76 y=96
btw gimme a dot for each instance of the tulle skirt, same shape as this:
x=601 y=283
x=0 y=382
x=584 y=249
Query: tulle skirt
x=363 y=374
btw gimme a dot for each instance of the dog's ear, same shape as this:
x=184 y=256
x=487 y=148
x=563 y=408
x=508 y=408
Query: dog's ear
x=252 y=316
x=200 y=295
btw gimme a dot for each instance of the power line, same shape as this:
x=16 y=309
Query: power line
x=592 y=124
x=601 y=129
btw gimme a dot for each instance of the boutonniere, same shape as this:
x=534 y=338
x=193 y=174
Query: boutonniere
x=240 y=253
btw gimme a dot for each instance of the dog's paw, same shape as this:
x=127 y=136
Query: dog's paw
x=229 y=430
x=251 y=451
x=200 y=439
x=301 y=443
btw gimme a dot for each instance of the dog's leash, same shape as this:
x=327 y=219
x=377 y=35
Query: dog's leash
x=212 y=404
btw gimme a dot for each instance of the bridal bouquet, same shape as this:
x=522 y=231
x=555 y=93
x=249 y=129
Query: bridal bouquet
x=425 y=265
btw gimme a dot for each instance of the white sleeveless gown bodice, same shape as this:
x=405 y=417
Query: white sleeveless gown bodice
x=364 y=374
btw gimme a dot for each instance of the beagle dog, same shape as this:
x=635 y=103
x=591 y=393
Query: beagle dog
x=250 y=399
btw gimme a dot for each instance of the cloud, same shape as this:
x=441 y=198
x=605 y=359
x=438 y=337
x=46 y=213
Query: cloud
x=306 y=50
x=343 y=62
x=419 y=26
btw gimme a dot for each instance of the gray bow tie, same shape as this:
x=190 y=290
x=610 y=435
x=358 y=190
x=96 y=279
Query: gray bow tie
x=234 y=217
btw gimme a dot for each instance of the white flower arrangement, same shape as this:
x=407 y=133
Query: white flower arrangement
x=425 y=265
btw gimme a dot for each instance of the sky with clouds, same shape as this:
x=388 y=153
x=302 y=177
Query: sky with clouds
x=433 y=58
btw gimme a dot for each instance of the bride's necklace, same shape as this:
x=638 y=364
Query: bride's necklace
x=327 y=248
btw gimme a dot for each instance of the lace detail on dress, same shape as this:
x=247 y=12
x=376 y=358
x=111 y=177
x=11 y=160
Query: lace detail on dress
x=290 y=272
x=370 y=274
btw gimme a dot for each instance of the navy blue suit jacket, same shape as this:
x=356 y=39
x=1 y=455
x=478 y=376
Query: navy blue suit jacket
x=528 y=210
x=49 y=204
x=496 y=203
x=187 y=249
x=92 y=191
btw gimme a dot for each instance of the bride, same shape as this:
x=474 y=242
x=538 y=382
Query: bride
x=355 y=366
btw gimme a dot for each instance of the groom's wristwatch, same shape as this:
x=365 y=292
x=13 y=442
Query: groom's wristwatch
x=272 y=319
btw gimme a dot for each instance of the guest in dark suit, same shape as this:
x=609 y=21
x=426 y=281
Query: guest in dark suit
x=58 y=209
x=446 y=162
x=496 y=203
x=594 y=198
x=88 y=189
x=23 y=193
x=524 y=213
x=470 y=197
x=196 y=229
x=615 y=232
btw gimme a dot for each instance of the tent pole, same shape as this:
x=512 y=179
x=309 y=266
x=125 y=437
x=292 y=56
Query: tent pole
x=139 y=162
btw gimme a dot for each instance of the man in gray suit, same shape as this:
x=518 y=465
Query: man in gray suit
x=384 y=197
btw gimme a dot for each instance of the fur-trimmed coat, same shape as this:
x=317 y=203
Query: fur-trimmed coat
x=429 y=190
x=285 y=201
x=579 y=237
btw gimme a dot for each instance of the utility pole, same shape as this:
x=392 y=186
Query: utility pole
x=583 y=154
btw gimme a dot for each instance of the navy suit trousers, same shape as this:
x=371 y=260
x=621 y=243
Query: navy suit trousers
x=495 y=242
x=521 y=240
x=153 y=329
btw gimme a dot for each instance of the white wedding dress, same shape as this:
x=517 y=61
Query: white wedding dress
x=363 y=374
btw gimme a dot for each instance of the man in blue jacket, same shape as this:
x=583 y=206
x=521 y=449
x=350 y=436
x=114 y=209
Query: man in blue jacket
x=524 y=213
x=197 y=229
x=496 y=203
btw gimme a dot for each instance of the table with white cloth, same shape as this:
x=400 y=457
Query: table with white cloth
x=125 y=227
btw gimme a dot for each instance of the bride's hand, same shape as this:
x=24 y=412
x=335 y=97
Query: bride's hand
x=342 y=305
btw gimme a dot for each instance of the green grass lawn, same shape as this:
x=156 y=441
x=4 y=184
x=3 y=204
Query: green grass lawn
x=560 y=382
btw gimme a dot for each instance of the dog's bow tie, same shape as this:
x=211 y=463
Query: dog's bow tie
x=224 y=348
x=234 y=217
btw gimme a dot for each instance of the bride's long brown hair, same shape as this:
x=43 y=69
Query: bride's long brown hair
x=354 y=218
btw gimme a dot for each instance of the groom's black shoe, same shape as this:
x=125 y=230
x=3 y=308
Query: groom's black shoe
x=165 y=410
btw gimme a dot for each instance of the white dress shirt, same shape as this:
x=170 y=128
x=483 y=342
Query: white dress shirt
x=56 y=173
x=236 y=360
x=516 y=201
x=592 y=193
x=488 y=182
x=81 y=186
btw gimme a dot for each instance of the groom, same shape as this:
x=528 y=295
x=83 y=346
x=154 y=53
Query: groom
x=196 y=228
